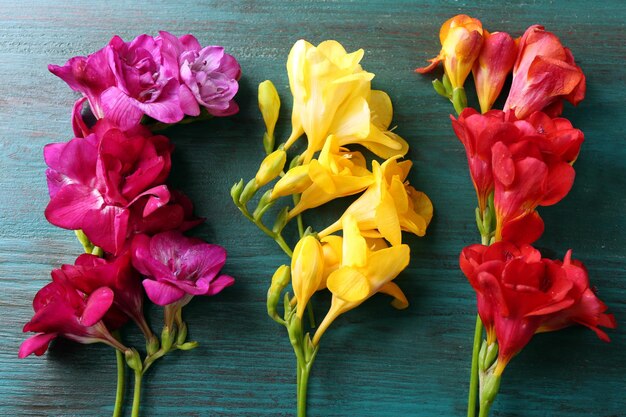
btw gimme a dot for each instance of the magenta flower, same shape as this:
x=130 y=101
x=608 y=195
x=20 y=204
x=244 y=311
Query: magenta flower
x=94 y=182
x=62 y=310
x=90 y=75
x=90 y=272
x=208 y=76
x=178 y=267
x=142 y=84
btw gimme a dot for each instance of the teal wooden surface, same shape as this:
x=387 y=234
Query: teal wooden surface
x=374 y=361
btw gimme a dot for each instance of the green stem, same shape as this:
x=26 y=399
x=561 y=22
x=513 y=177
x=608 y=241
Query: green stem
x=484 y=409
x=276 y=236
x=302 y=388
x=473 y=388
x=119 y=393
x=137 y=394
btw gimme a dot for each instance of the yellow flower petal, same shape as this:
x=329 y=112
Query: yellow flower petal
x=348 y=284
x=381 y=108
x=399 y=299
x=295 y=181
x=385 y=264
x=387 y=220
x=354 y=245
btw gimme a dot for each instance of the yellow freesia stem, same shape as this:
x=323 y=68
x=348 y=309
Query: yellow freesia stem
x=276 y=236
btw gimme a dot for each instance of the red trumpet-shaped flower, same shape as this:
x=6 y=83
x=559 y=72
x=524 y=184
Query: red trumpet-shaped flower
x=526 y=163
x=544 y=74
x=63 y=310
x=492 y=66
x=520 y=294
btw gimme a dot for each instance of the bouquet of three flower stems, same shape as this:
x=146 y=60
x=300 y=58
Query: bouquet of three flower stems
x=519 y=158
x=335 y=107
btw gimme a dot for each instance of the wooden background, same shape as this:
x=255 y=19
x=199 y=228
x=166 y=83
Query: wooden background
x=374 y=361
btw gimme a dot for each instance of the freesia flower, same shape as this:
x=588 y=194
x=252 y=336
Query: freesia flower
x=90 y=76
x=478 y=133
x=176 y=267
x=363 y=273
x=332 y=94
x=543 y=150
x=62 y=310
x=493 y=65
x=271 y=167
x=208 y=76
x=461 y=40
x=519 y=294
x=336 y=173
x=307 y=266
x=389 y=205
x=544 y=74
x=94 y=182
x=90 y=272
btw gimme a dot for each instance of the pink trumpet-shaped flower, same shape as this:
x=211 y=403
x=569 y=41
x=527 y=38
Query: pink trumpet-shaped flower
x=208 y=76
x=94 y=182
x=178 y=267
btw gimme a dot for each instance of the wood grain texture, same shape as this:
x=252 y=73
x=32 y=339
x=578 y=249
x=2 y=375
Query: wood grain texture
x=375 y=361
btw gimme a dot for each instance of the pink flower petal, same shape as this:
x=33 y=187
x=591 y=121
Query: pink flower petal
x=98 y=304
x=36 y=344
x=162 y=294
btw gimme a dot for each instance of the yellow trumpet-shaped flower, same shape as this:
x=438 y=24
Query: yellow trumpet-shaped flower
x=389 y=205
x=332 y=96
x=336 y=173
x=307 y=266
x=363 y=273
x=269 y=104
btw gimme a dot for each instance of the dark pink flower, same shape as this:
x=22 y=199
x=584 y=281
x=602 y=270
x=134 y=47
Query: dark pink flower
x=143 y=85
x=208 y=76
x=90 y=75
x=90 y=272
x=178 y=267
x=62 y=310
x=543 y=75
x=94 y=182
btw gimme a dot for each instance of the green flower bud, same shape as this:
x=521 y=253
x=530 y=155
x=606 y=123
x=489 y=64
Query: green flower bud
x=280 y=280
x=248 y=191
x=459 y=99
x=264 y=204
x=182 y=333
x=167 y=338
x=281 y=220
x=188 y=345
x=440 y=89
x=152 y=345
x=133 y=359
x=235 y=191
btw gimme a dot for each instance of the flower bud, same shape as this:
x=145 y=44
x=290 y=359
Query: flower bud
x=269 y=104
x=281 y=220
x=133 y=360
x=152 y=345
x=270 y=168
x=188 y=345
x=248 y=191
x=295 y=181
x=279 y=282
x=264 y=204
x=235 y=191
x=167 y=338
x=307 y=266
x=181 y=336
